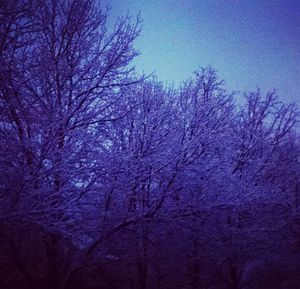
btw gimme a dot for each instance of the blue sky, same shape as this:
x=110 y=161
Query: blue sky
x=250 y=43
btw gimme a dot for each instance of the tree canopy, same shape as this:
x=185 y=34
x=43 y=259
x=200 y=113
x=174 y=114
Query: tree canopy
x=110 y=179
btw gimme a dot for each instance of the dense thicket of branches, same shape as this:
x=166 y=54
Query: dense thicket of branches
x=111 y=180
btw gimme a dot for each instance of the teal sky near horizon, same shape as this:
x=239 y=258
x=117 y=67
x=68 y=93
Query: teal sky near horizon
x=250 y=43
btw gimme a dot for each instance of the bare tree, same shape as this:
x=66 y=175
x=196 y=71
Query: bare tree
x=62 y=84
x=112 y=178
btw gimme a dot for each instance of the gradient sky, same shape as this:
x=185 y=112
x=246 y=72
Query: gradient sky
x=250 y=43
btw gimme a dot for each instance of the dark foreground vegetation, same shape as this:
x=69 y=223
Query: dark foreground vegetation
x=110 y=180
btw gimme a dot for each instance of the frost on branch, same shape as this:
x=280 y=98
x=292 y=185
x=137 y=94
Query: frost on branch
x=112 y=180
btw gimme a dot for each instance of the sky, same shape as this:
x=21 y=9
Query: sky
x=250 y=43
